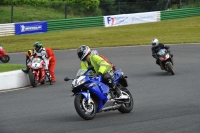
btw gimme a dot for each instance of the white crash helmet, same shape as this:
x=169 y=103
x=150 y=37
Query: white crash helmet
x=155 y=42
x=94 y=52
x=83 y=51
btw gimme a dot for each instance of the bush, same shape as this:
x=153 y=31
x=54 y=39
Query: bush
x=76 y=7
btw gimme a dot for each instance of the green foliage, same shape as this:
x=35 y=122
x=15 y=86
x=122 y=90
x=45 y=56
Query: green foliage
x=76 y=7
x=86 y=7
x=25 y=13
x=108 y=7
x=27 y=2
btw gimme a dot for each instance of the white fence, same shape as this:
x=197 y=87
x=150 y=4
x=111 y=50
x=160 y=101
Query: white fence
x=7 y=29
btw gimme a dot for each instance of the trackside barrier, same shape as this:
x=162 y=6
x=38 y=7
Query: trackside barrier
x=7 y=29
x=13 y=79
x=75 y=23
x=180 y=13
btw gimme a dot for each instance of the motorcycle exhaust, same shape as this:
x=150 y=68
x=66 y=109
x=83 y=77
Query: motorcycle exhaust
x=111 y=107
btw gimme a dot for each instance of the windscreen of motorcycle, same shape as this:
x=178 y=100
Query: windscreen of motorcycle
x=78 y=81
x=36 y=63
x=161 y=52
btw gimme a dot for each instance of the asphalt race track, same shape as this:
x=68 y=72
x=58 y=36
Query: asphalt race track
x=162 y=103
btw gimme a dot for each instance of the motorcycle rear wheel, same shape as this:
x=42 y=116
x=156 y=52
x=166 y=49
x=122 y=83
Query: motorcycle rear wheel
x=169 y=66
x=5 y=59
x=126 y=107
x=83 y=110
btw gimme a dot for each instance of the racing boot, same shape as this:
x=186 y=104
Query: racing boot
x=26 y=70
x=49 y=77
x=161 y=67
x=172 y=59
x=119 y=94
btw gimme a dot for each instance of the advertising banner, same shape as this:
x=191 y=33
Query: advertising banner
x=30 y=27
x=125 y=19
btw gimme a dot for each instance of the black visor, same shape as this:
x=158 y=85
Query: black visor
x=80 y=54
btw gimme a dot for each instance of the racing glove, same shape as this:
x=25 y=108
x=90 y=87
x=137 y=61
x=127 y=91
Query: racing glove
x=155 y=55
x=97 y=74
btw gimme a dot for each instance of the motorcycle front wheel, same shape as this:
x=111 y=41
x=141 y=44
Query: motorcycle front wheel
x=169 y=67
x=128 y=106
x=85 y=110
x=5 y=59
x=33 y=80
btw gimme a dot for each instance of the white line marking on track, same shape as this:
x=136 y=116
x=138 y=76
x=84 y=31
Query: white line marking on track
x=16 y=89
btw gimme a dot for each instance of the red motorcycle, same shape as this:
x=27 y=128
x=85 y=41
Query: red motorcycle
x=166 y=60
x=3 y=56
x=37 y=74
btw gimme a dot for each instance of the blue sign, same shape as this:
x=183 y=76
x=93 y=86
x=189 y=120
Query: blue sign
x=30 y=27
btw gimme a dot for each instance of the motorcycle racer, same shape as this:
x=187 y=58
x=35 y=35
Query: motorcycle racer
x=101 y=67
x=156 y=46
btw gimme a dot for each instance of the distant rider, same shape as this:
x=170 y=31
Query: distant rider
x=156 y=46
x=101 y=67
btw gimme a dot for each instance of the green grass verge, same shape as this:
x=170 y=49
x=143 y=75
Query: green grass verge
x=28 y=13
x=170 y=31
x=10 y=67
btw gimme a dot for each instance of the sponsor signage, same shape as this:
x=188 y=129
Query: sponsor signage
x=30 y=27
x=125 y=19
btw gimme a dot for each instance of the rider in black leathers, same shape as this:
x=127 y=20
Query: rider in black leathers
x=156 y=46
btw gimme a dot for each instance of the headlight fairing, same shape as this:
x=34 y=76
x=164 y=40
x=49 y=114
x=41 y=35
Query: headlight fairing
x=80 y=80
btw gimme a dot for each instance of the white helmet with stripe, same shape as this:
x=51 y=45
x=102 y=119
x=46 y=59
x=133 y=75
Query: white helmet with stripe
x=83 y=51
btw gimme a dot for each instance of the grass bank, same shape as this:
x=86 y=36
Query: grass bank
x=28 y=13
x=10 y=67
x=170 y=31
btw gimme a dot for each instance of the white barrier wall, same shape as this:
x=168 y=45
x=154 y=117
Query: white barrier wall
x=13 y=79
x=135 y=18
x=7 y=29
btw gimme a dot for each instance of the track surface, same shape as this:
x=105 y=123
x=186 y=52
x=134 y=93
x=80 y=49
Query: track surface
x=163 y=103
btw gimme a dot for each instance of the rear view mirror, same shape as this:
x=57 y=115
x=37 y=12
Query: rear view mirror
x=66 y=79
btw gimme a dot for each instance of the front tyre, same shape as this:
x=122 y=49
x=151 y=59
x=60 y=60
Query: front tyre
x=85 y=110
x=169 y=67
x=5 y=59
x=128 y=106
x=33 y=80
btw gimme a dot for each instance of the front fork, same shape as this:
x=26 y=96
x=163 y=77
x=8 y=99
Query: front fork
x=85 y=94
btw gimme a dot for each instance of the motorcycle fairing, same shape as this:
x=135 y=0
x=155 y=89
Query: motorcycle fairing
x=94 y=86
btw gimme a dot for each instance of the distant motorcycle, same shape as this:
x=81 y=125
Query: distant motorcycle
x=92 y=96
x=3 y=56
x=37 y=74
x=165 y=60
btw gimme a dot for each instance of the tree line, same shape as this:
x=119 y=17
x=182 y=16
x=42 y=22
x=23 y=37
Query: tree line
x=100 y=7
